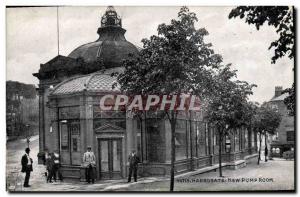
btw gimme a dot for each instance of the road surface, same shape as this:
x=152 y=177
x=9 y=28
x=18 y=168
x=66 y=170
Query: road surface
x=272 y=175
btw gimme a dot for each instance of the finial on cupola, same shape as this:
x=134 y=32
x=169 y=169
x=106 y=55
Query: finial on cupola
x=111 y=18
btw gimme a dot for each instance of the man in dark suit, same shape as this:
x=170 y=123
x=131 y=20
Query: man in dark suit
x=133 y=160
x=26 y=166
x=56 y=166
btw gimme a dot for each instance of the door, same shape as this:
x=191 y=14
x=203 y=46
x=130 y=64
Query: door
x=70 y=142
x=110 y=158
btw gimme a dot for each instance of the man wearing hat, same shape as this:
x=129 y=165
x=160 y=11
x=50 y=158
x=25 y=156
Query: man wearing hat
x=26 y=166
x=133 y=160
x=89 y=162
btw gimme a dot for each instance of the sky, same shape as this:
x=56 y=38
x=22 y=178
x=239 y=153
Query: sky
x=31 y=40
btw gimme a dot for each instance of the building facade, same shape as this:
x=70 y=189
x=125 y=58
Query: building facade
x=70 y=90
x=284 y=138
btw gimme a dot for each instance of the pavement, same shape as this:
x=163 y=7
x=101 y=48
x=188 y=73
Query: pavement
x=277 y=174
x=274 y=175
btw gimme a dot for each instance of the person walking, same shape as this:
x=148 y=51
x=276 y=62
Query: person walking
x=89 y=162
x=50 y=167
x=56 y=167
x=133 y=160
x=26 y=162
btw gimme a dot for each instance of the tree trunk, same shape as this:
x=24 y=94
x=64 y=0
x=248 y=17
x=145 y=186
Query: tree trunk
x=220 y=154
x=173 y=126
x=259 y=150
x=266 y=147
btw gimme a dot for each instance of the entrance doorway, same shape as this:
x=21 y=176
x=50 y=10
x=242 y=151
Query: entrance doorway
x=110 y=158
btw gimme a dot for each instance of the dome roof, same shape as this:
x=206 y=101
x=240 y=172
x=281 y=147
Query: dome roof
x=94 y=82
x=111 y=52
x=112 y=47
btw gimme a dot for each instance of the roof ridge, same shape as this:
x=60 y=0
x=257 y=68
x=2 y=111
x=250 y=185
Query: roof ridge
x=276 y=97
x=86 y=84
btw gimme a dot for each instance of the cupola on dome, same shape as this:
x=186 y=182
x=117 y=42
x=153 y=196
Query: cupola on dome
x=111 y=48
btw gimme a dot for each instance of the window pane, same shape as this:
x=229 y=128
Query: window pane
x=104 y=156
x=75 y=145
x=117 y=122
x=290 y=135
x=116 y=156
x=181 y=140
x=246 y=139
x=236 y=140
x=252 y=139
x=69 y=113
x=155 y=143
x=201 y=133
x=64 y=137
x=74 y=130
x=98 y=113
x=206 y=139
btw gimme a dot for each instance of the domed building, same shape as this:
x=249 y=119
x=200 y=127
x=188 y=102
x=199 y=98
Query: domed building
x=70 y=89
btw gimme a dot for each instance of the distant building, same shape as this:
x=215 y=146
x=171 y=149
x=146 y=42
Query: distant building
x=284 y=138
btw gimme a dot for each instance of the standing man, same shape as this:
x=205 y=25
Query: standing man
x=46 y=156
x=133 y=160
x=56 y=171
x=89 y=162
x=26 y=166
x=50 y=167
x=266 y=153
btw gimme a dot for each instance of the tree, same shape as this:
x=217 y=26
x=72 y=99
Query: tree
x=15 y=91
x=282 y=18
x=290 y=100
x=228 y=107
x=176 y=61
x=265 y=122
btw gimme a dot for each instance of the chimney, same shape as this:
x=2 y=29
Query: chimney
x=278 y=91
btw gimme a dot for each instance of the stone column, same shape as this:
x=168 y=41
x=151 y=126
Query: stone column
x=83 y=131
x=168 y=140
x=53 y=129
x=50 y=138
x=191 y=138
x=210 y=144
x=130 y=138
x=130 y=133
x=91 y=140
x=86 y=123
x=41 y=121
x=143 y=137
x=87 y=137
